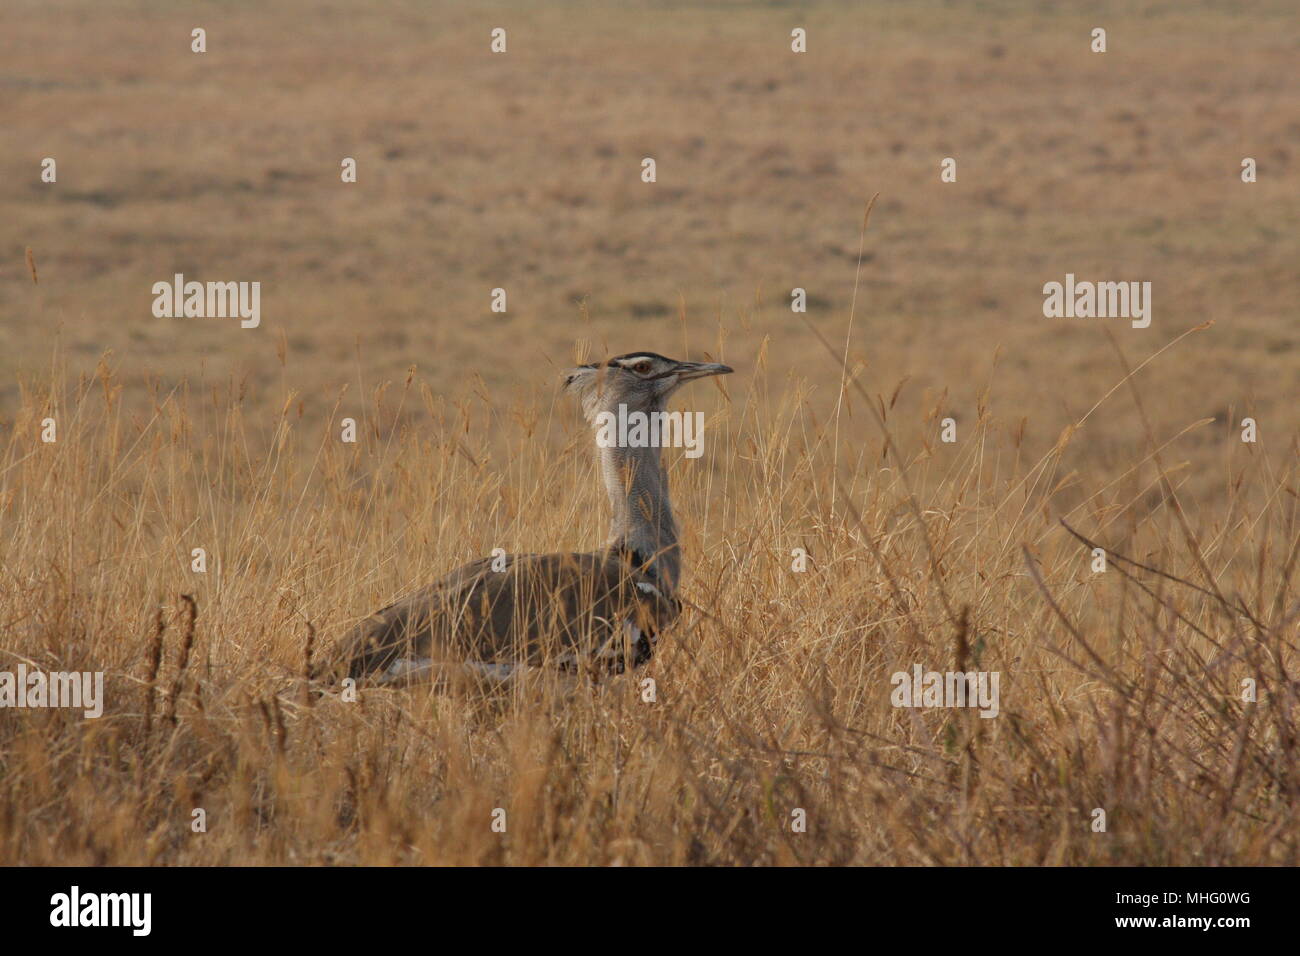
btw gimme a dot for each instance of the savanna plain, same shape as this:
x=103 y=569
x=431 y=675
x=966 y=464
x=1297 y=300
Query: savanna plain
x=1161 y=690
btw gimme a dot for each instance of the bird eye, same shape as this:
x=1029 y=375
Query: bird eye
x=641 y=367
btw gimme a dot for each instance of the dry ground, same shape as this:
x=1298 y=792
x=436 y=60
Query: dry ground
x=1121 y=690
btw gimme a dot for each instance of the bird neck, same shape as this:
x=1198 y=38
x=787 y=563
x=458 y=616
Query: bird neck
x=642 y=524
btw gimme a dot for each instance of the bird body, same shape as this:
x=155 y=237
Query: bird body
x=579 y=611
x=561 y=610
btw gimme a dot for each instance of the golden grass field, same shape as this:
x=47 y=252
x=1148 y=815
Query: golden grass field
x=1119 y=690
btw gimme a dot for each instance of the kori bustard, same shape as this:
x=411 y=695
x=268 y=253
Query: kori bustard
x=577 y=611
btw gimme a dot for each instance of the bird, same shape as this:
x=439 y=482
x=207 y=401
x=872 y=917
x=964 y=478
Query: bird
x=587 y=612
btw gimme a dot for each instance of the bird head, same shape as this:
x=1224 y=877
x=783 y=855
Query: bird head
x=643 y=381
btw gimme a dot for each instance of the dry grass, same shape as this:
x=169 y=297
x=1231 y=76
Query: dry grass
x=1121 y=692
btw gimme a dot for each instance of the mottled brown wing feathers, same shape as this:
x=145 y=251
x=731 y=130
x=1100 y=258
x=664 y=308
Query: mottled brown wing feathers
x=540 y=609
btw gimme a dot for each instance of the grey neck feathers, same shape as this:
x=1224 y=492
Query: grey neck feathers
x=642 y=523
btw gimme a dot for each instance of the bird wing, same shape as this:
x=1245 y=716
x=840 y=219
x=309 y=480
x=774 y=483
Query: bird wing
x=537 y=609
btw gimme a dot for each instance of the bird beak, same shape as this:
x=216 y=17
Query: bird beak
x=689 y=371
